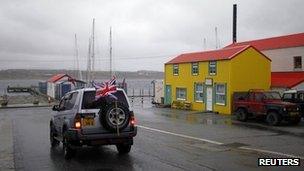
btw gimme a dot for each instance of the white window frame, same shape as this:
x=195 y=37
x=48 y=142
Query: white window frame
x=194 y=65
x=175 y=68
x=178 y=93
x=217 y=94
x=212 y=64
x=196 y=92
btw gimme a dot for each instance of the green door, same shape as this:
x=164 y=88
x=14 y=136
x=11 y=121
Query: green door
x=168 y=94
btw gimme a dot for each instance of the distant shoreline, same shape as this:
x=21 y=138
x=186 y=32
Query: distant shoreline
x=24 y=74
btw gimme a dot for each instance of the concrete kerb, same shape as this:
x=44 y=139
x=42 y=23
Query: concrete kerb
x=24 y=106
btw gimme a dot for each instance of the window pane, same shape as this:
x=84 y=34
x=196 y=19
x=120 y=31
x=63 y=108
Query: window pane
x=212 y=67
x=198 y=92
x=181 y=93
x=220 y=89
x=175 y=69
x=194 y=68
x=220 y=94
x=88 y=99
x=297 y=62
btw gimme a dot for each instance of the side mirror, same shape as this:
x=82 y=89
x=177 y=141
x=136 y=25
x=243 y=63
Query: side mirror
x=55 y=108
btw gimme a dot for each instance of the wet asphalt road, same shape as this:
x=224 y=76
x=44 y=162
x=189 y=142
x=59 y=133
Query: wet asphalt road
x=152 y=150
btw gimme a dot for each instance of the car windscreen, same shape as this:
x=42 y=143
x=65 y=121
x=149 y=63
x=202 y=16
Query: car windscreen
x=88 y=100
x=272 y=96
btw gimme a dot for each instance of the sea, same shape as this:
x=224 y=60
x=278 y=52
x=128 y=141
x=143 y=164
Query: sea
x=133 y=85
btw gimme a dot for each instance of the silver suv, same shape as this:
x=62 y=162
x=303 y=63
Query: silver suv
x=80 y=120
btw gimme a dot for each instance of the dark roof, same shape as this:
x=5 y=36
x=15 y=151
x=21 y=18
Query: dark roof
x=287 y=41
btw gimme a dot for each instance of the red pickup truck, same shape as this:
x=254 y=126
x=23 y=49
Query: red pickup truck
x=266 y=105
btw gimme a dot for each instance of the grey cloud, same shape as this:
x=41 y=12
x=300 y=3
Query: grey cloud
x=44 y=30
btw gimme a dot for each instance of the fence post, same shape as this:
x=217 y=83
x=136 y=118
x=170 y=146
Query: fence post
x=142 y=97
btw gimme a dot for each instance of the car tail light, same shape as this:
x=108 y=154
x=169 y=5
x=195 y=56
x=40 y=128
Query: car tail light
x=77 y=121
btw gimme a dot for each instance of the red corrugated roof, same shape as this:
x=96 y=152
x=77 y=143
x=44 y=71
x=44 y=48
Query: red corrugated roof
x=287 y=41
x=57 y=77
x=214 y=55
x=286 y=79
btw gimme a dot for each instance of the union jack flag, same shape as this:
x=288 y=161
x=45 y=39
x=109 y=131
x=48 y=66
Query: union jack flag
x=105 y=88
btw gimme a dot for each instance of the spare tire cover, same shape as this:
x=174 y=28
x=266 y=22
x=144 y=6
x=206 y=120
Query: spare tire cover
x=113 y=117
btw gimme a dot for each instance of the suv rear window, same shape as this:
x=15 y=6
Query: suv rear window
x=88 y=99
x=89 y=102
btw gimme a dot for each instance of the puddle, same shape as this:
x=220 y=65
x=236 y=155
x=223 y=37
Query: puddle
x=198 y=118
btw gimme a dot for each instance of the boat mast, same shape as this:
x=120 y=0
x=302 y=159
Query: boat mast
x=89 y=63
x=93 y=51
x=110 y=44
x=77 y=59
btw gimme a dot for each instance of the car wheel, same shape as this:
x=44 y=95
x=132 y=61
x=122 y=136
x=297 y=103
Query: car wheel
x=296 y=121
x=273 y=118
x=123 y=149
x=53 y=141
x=67 y=150
x=115 y=117
x=241 y=115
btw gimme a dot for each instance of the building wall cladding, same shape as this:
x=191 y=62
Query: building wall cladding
x=282 y=59
x=248 y=70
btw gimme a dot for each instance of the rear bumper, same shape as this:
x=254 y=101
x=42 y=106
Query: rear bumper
x=76 y=138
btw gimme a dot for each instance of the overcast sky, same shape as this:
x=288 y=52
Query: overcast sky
x=146 y=33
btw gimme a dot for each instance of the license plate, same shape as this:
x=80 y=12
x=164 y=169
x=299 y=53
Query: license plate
x=88 y=121
x=294 y=113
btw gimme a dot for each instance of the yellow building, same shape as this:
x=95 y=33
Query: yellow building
x=208 y=79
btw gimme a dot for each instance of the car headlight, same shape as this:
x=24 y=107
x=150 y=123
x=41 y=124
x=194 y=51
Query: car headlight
x=284 y=109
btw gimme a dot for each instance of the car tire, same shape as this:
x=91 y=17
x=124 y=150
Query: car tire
x=273 y=118
x=53 y=141
x=123 y=148
x=108 y=117
x=68 y=152
x=241 y=115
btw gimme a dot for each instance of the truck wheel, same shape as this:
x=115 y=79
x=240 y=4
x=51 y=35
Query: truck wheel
x=115 y=117
x=296 y=121
x=123 y=149
x=67 y=150
x=273 y=118
x=241 y=115
x=53 y=141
